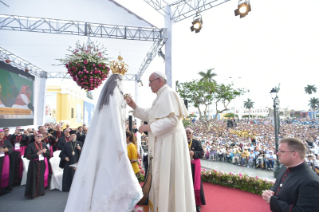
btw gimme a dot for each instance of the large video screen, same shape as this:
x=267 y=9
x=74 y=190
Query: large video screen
x=16 y=97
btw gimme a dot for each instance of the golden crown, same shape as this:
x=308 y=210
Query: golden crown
x=118 y=66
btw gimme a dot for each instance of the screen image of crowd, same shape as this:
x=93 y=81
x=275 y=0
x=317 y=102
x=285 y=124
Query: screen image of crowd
x=249 y=143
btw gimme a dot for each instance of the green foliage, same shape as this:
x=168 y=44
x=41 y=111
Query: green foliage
x=230 y=115
x=314 y=103
x=240 y=181
x=141 y=174
x=249 y=104
x=208 y=76
x=205 y=92
x=309 y=89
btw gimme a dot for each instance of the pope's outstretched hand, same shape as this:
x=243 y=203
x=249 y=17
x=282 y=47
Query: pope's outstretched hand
x=130 y=102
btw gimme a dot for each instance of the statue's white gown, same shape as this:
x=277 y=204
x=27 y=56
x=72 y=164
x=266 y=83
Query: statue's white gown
x=104 y=179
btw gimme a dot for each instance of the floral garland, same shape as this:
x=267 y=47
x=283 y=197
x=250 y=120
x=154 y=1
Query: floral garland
x=87 y=65
x=141 y=173
x=240 y=181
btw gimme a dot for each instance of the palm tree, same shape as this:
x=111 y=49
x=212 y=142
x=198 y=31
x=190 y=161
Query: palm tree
x=248 y=105
x=208 y=75
x=310 y=89
x=314 y=104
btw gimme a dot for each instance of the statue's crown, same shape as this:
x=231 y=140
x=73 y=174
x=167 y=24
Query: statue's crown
x=118 y=66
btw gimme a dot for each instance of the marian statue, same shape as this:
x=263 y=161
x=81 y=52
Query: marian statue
x=104 y=179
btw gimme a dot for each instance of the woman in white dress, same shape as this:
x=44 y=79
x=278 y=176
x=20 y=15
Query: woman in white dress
x=104 y=179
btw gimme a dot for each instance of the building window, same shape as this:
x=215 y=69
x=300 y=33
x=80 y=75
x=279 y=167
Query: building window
x=72 y=113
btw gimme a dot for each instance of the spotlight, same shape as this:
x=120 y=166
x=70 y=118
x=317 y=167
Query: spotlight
x=139 y=82
x=243 y=9
x=161 y=54
x=197 y=23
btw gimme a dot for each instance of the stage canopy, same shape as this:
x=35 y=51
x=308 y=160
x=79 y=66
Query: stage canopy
x=41 y=49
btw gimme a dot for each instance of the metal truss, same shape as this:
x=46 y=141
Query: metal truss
x=149 y=57
x=183 y=9
x=158 y=5
x=56 y=26
x=21 y=64
x=80 y=28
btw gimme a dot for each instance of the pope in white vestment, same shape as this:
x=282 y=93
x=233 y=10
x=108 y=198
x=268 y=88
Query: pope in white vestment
x=172 y=186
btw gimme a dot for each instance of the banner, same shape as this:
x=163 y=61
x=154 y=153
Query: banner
x=50 y=107
x=16 y=96
x=78 y=113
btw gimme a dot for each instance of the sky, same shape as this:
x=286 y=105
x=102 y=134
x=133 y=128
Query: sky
x=277 y=42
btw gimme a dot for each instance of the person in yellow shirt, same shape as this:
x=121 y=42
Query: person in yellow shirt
x=244 y=156
x=132 y=151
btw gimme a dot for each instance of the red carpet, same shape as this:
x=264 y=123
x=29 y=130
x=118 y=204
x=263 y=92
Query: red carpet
x=224 y=199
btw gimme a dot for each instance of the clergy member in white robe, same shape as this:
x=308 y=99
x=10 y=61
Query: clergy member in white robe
x=172 y=186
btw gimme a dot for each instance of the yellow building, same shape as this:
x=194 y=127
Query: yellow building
x=64 y=103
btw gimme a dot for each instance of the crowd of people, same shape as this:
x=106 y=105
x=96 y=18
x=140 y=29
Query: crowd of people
x=251 y=143
x=38 y=147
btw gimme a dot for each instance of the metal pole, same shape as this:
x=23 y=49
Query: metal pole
x=276 y=168
x=168 y=46
x=130 y=123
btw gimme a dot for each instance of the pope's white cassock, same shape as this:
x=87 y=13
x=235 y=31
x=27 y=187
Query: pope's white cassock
x=172 y=186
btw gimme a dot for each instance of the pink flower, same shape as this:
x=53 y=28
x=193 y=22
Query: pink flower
x=85 y=77
x=100 y=65
x=93 y=65
x=66 y=65
x=240 y=174
x=85 y=62
x=256 y=177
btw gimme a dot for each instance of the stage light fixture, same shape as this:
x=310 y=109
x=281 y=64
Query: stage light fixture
x=140 y=84
x=161 y=54
x=197 y=23
x=243 y=8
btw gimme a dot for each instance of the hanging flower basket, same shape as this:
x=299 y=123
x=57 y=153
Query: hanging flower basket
x=87 y=65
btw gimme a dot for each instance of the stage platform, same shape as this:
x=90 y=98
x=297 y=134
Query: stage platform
x=218 y=199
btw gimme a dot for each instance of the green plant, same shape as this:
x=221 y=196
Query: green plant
x=141 y=174
x=240 y=181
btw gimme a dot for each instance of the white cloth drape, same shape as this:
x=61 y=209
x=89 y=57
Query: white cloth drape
x=104 y=179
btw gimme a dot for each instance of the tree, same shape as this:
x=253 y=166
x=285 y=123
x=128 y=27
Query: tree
x=223 y=95
x=248 y=105
x=314 y=104
x=204 y=93
x=208 y=76
x=309 y=89
x=198 y=93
